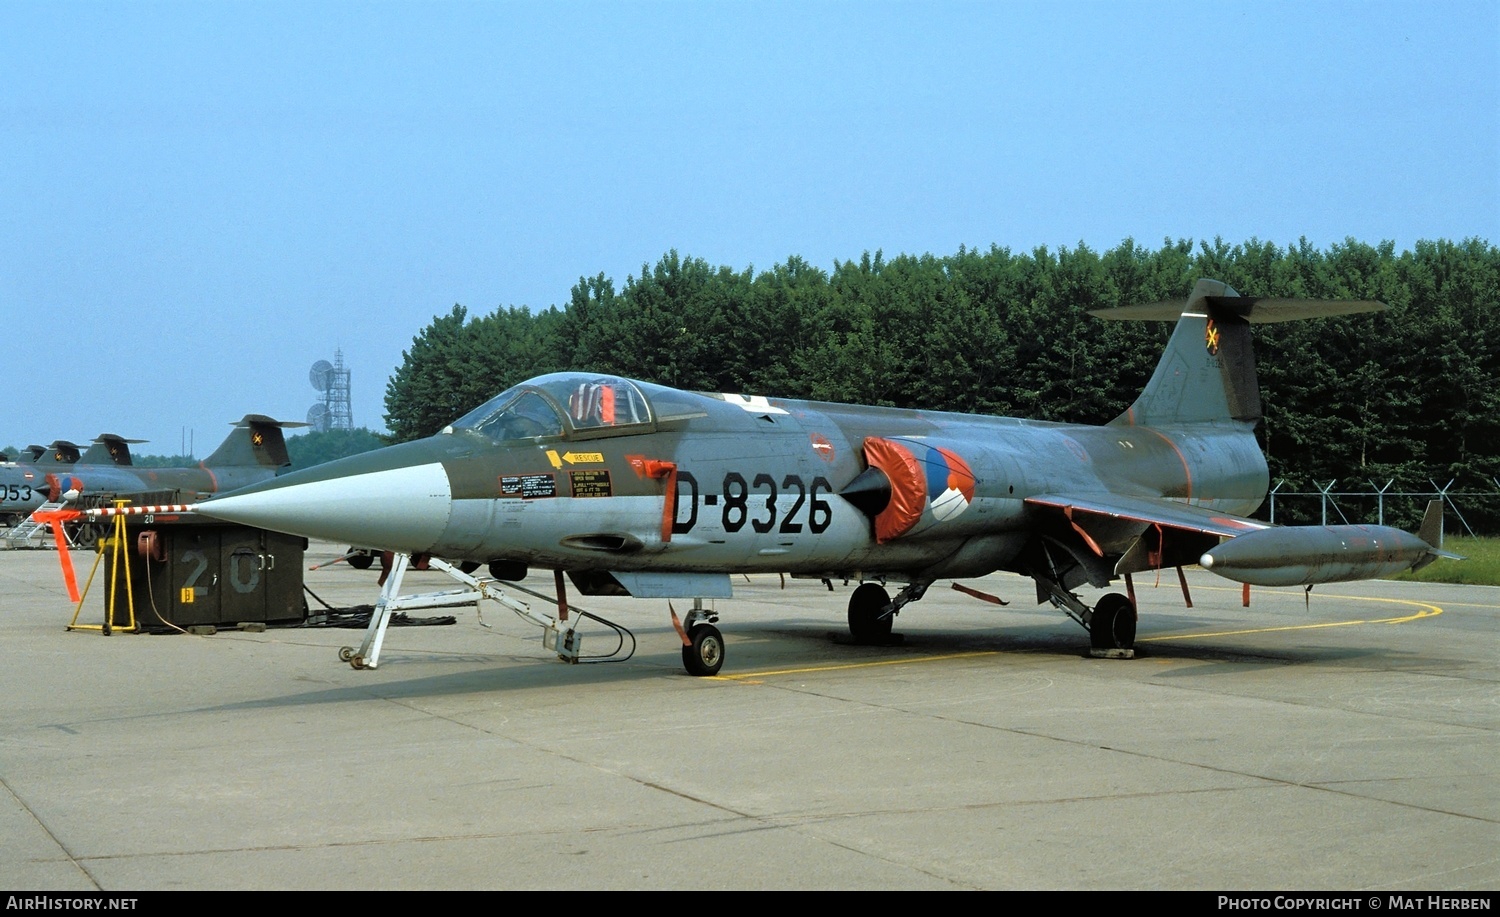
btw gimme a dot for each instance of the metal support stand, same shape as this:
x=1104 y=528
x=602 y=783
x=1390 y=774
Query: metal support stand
x=558 y=635
x=119 y=566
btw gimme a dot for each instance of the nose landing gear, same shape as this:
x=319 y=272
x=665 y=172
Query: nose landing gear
x=702 y=644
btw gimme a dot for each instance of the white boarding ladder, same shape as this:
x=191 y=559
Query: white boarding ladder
x=31 y=530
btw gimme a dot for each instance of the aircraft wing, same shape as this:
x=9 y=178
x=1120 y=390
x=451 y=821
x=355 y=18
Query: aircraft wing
x=1145 y=533
x=1150 y=510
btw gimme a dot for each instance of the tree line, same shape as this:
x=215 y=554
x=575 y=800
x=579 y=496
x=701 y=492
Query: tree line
x=1407 y=394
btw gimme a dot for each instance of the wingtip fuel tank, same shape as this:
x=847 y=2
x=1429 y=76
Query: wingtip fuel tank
x=1305 y=555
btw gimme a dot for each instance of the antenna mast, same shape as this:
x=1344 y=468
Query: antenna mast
x=334 y=412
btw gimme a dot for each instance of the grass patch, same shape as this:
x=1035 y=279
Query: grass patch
x=1480 y=566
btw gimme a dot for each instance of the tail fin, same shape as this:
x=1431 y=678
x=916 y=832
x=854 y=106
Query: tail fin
x=61 y=452
x=108 y=449
x=1207 y=372
x=256 y=440
x=1431 y=533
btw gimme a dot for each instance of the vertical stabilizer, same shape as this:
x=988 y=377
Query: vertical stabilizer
x=61 y=452
x=109 y=449
x=255 y=441
x=1432 y=524
x=1207 y=372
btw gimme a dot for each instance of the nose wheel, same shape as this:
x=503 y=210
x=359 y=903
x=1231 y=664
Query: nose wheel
x=703 y=654
x=702 y=644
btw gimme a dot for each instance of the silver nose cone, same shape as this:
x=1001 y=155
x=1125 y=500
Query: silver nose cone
x=397 y=509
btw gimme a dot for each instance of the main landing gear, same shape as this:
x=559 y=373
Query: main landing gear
x=1112 y=627
x=868 y=622
x=1110 y=623
x=872 y=611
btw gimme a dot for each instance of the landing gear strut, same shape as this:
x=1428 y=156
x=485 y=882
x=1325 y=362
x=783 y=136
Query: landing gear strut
x=1110 y=623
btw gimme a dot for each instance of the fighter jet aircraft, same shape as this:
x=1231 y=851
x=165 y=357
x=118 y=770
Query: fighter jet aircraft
x=635 y=488
x=23 y=486
x=23 y=483
x=254 y=450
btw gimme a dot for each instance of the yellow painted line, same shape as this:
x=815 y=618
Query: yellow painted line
x=1427 y=611
x=1364 y=598
x=857 y=665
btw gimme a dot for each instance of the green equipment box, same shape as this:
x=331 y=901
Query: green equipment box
x=188 y=572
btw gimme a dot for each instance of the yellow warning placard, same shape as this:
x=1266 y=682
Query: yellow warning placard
x=590 y=483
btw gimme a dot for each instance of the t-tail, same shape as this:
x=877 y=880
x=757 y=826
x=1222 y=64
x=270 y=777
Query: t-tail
x=255 y=441
x=1207 y=373
x=109 y=449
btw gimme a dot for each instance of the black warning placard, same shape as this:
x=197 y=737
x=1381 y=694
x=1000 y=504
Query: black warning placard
x=528 y=486
x=591 y=483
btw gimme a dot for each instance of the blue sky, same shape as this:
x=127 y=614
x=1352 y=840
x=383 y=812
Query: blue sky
x=199 y=200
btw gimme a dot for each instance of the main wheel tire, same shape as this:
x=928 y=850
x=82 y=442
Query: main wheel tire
x=865 y=623
x=361 y=561
x=704 y=654
x=1113 y=624
x=82 y=535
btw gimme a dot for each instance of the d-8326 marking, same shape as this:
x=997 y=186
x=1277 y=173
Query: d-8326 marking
x=738 y=509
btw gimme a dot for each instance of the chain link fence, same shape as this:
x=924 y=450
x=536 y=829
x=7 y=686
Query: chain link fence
x=1468 y=509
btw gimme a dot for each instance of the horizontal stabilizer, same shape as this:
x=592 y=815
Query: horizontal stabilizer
x=265 y=420
x=1256 y=311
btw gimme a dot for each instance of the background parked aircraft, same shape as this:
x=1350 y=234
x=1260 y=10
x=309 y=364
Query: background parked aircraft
x=254 y=451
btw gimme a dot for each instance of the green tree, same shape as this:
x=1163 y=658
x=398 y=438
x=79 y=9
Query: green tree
x=455 y=364
x=319 y=446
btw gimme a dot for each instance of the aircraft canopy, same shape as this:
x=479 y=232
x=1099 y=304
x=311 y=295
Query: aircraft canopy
x=558 y=405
